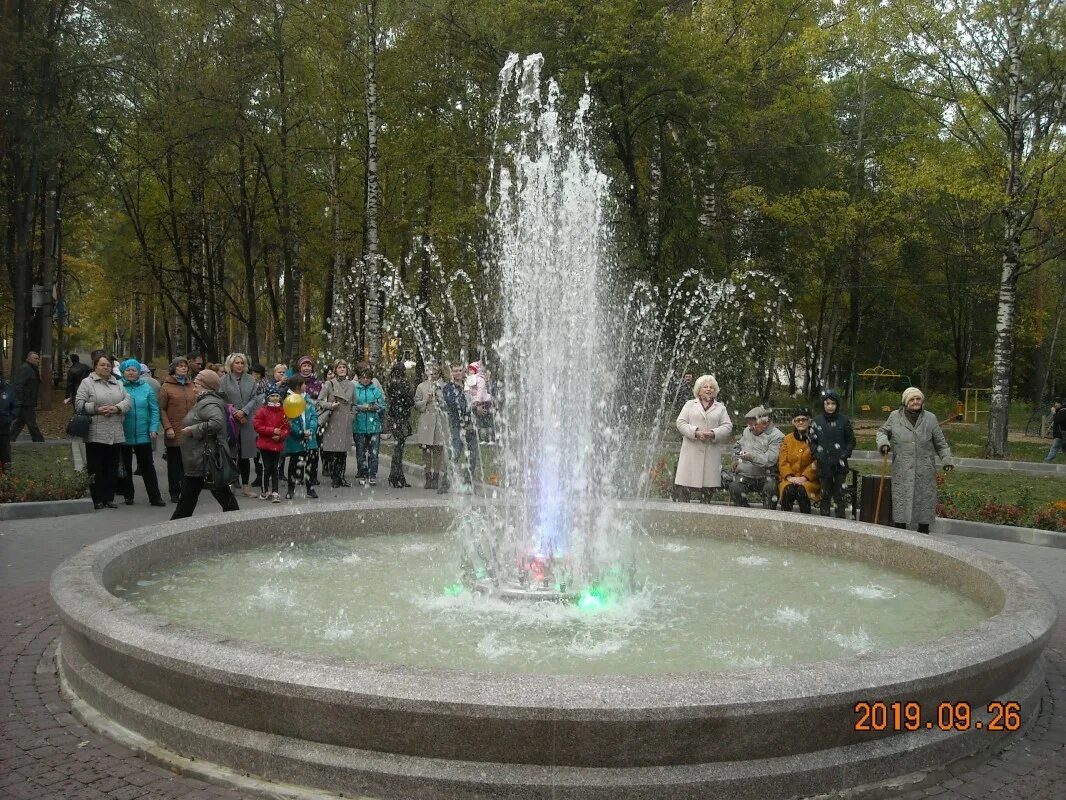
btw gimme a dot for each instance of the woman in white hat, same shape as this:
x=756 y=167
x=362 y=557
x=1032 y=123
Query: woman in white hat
x=914 y=438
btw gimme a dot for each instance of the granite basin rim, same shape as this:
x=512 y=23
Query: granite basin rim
x=88 y=608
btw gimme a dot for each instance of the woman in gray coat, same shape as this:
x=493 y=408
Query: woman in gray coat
x=336 y=410
x=432 y=433
x=102 y=397
x=239 y=389
x=914 y=438
x=203 y=428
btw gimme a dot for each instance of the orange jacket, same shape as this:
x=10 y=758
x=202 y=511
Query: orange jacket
x=797 y=460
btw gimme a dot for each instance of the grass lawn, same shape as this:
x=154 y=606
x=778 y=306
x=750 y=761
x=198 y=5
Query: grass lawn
x=42 y=472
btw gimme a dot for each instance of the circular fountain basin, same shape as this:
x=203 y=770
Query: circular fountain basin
x=394 y=729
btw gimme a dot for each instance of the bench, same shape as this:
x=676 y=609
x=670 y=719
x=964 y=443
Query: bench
x=851 y=491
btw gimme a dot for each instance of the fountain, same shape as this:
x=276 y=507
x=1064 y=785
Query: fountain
x=655 y=650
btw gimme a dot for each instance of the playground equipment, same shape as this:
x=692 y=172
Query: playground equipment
x=874 y=375
x=971 y=402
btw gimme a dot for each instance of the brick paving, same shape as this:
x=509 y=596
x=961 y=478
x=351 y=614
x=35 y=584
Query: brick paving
x=45 y=753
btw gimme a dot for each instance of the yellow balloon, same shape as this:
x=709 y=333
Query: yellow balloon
x=294 y=405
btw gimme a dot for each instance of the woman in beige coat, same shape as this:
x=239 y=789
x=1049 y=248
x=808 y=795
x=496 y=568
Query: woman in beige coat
x=705 y=429
x=432 y=432
x=102 y=397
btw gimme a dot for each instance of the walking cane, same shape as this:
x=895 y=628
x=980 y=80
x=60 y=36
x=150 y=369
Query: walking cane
x=881 y=488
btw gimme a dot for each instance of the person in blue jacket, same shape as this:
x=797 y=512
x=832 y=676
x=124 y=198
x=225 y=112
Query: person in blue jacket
x=302 y=440
x=369 y=406
x=141 y=426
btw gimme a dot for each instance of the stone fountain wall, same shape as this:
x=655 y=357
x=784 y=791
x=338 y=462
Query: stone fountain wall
x=394 y=731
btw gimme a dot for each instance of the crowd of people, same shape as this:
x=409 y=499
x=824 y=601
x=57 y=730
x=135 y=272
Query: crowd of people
x=281 y=427
x=245 y=409
x=810 y=464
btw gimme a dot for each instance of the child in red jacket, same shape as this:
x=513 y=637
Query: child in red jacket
x=273 y=428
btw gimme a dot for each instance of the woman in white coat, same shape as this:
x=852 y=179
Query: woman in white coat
x=705 y=429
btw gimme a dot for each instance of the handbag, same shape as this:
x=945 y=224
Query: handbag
x=79 y=425
x=219 y=468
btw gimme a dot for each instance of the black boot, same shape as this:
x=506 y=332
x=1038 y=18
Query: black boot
x=429 y=479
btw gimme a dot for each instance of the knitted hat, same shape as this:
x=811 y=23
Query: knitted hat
x=273 y=390
x=209 y=378
x=145 y=369
x=474 y=367
x=757 y=412
x=911 y=392
x=130 y=362
x=305 y=360
x=174 y=364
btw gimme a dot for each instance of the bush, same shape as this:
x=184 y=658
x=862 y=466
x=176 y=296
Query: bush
x=1051 y=517
x=661 y=477
x=42 y=473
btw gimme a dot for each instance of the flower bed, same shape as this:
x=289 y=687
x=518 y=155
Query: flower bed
x=1020 y=510
x=42 y=473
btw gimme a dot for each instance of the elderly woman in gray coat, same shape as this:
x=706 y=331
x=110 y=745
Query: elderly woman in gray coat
x=238 y=387
x=914 y=438
x=203 y=429
x=336 y=410
x=102 y=397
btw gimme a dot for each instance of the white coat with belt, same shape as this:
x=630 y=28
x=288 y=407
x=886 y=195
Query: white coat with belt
x=700 y=463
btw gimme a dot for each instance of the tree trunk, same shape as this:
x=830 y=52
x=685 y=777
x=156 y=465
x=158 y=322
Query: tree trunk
x=338 y=289
x=48 y=275
x=371 y=265
x=425 y=273
x=1013 y=224
x=247 y=211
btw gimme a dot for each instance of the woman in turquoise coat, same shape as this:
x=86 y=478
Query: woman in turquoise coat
x=302 y=440
x=141 y=427
x=369 y=406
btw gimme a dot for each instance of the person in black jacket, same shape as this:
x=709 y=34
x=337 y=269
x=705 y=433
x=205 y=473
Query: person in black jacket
x=832 y=440
x=75 y=375
x=400 y=402
x=27 y=385
x=1058 y=430
x=9 y=409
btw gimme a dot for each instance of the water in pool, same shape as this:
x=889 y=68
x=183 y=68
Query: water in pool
x=705 y=604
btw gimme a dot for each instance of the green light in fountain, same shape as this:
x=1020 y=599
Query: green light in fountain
x=453 y=589
x=595 y=598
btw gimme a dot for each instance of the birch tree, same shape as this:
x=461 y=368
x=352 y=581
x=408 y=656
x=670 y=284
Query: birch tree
x=372 y=252
x=994 y=72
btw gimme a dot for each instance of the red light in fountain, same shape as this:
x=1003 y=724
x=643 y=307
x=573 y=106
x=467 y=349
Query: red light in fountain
x=537 y=568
